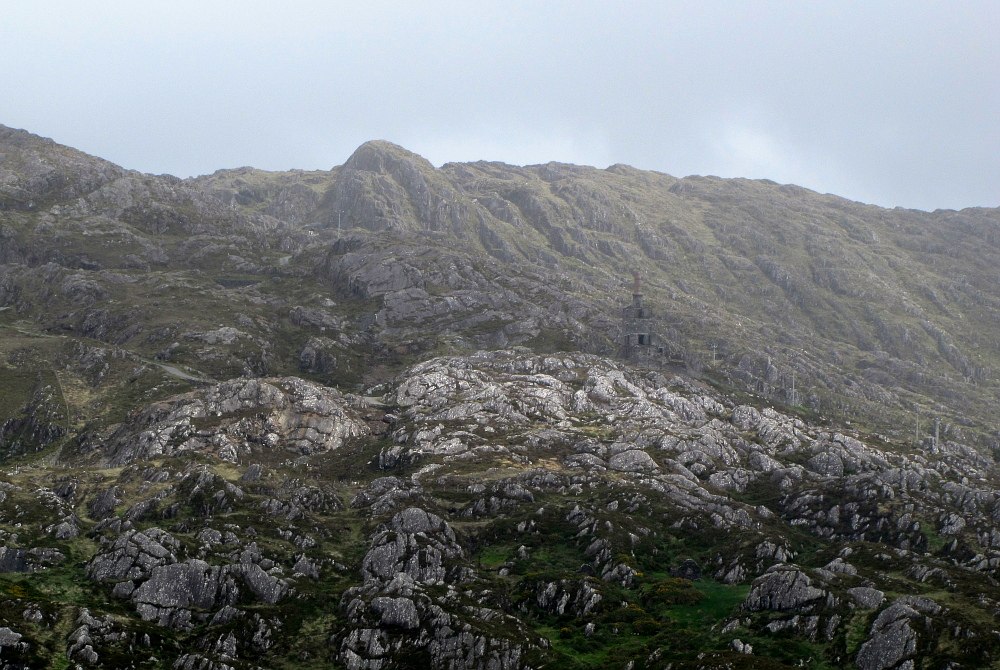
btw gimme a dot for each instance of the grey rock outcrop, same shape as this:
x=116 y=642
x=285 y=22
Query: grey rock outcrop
x=632 y=460
x=782 y=589
x=386 y=494
x=289 y=414
x=104 y=503
x=689 y=569
x=393 y=613
x=306 y=567
x=133 y=555
x=265 y=587
x=28 y=560
x=172 y=591
x=143 y=567
x=93 y=635
x=506 y=458
x=893 y=639
x=37 y=171
x=417 y=543
x=576 y=597
x=8 y=637
x=12 y=649
x=67 y=530
x=826 y=464
x=866 y=597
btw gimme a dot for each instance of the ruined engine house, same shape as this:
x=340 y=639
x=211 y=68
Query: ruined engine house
x=639 y=341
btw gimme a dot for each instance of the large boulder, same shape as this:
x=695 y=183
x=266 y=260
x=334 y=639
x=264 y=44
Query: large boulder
x=133 y=555
x=893 y=638
x=415 y=542
x=632 y=460
x=398 y=612
x=173 y=590
x=782 y=588
x=866 y=597
x=827 y=464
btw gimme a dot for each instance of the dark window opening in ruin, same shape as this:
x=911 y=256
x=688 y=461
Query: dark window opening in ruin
x=642 y=339
x=638 y=314
x=660 y=350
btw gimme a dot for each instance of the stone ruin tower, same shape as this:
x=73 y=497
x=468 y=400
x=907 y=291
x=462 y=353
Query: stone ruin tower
x=638 y=340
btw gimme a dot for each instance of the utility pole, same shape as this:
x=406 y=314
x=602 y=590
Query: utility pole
x=937 y=431
x=918 y=427
x=339 y=212
x=793 y=389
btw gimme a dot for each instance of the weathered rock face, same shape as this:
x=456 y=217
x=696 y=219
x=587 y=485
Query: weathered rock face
x=416 y=543
x=893 y=640
x=577 y=597
x=826 y=464
x=866 y=597
x=144 y=568
x=105 y=503
x=172 y=591
x=41 y=423
x=689 y=569
x=238 y=416
x=394 y=615
x=498 y=255
x=632 y=460
x=782 y=588
x=28 y=560
x=36 y=171
x=385 y=494
x=133 y=555
x=321 y=354
x=610 y=459
x=385 y=186
x=483 y=304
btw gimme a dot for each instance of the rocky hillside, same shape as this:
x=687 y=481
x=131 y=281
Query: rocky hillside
x=885 y=318
x=377 y=418
x=499 y=510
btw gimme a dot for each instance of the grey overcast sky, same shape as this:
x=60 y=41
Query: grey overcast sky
x=892 y=103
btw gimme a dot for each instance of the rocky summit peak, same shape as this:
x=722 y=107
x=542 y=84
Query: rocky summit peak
x=11 y=138
x=35 y=170
x=381 y=155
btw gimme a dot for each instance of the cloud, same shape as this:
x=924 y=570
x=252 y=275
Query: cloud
x=750 y=152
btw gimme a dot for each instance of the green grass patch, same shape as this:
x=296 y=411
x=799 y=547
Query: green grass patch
x=574 y=650
x=935 y=541
x=493 y=557
x=718 y=604
x=856 y=632
x=549 y=341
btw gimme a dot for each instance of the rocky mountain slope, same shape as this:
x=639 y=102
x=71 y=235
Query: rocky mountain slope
x=377 y=418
